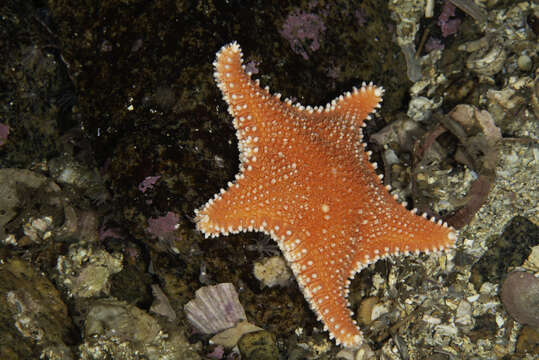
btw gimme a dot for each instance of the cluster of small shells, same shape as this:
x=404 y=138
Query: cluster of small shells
x=439 y=317
x=432 y=316
x=506 y=46
x=38 y=229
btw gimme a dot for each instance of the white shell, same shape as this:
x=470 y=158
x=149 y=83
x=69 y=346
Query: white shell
x=215 y=308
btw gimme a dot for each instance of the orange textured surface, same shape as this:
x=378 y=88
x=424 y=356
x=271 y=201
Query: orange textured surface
x=306 y=180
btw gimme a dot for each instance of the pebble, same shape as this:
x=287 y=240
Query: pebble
x=525 y=63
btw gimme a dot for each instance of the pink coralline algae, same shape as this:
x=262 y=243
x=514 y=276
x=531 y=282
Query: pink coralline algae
x=252 y=67
x=148 y=183
x=163 y=227
x=217 y=353
x=447 y=25
x=4 y=132
x=115 y=233
x=433 y=44
x=360 y=17
x=303 y=30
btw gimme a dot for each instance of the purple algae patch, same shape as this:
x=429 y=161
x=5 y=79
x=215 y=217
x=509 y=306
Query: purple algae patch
x=303 y=31
x=148 y=183
x=163 y=226
x=4 y=132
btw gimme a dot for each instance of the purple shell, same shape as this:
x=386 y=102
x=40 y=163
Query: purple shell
x=215 y=308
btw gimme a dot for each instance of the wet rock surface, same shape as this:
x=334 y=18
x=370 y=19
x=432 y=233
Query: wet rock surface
x=33 y=314
x=25 y=197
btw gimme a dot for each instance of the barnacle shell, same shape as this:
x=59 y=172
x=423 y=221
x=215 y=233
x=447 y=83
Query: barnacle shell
x=215 y=308
x=420 y=108
x=272 y=271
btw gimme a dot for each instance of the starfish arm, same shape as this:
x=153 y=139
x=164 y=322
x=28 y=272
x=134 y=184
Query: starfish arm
x=260 y=116
x=404 y=231
x=393 y=229
x=332 y=310
x=255 y=110
x=356 y=106
x=324 y=283
x=236 y=209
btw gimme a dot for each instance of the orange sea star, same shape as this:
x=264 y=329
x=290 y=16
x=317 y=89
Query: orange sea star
x=306 y=180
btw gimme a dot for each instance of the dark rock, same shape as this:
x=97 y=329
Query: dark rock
x=509 y=249
x=258 y=345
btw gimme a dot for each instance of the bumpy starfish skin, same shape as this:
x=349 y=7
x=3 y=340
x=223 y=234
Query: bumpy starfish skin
x=306 y=180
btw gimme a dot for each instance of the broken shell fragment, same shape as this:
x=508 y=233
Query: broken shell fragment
x=487 y=64
x=215 y=308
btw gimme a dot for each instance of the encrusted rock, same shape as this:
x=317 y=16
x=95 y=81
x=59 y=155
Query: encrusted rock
x=66 y=170
x=16 y=184
x=86 y=271
x=117 y=330
x=420 y=108
x=260 y=345
x=39 y=228
x=33 y=314
x=110 y=317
